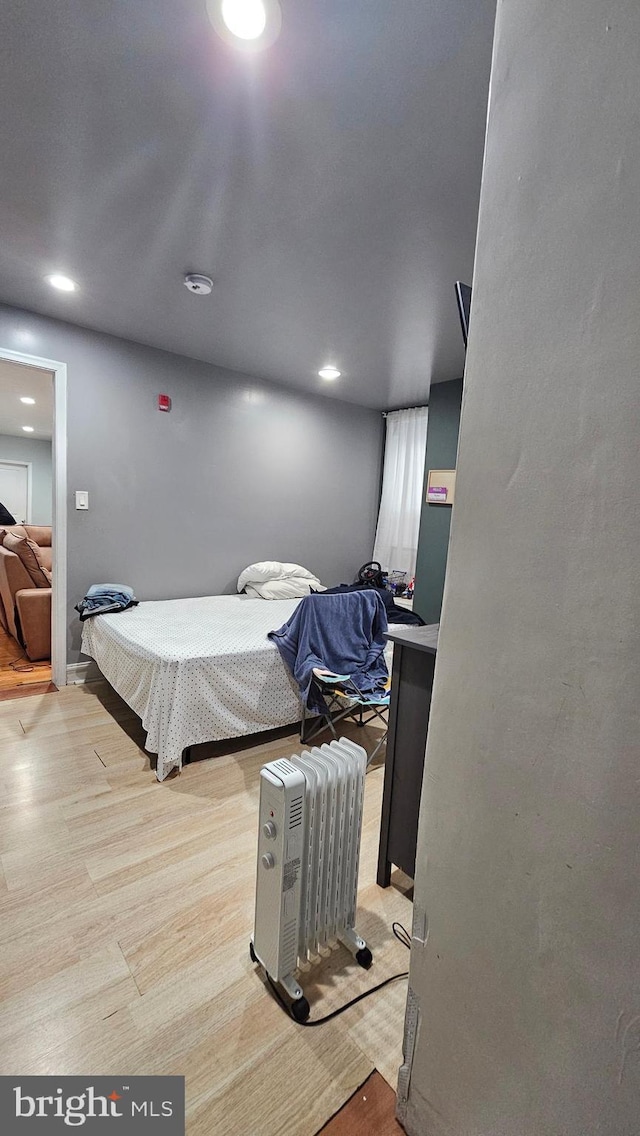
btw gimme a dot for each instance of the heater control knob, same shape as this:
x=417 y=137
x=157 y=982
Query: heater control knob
x=269 y=830
x=267 y=860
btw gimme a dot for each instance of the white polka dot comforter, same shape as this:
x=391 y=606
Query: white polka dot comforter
x=196 y=670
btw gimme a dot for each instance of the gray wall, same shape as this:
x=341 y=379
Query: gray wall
x=239 y=471
x=38 y=452
x=435 y=520
x=529 y=847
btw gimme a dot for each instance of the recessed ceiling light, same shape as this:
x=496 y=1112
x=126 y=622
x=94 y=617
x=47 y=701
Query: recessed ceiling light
x=245 y=19
x=246 y=25
x=62 y=283
x=28 y=429
x=29 y=401
x=329 y=373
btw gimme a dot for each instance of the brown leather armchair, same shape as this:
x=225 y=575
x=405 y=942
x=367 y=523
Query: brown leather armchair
x=25 y=610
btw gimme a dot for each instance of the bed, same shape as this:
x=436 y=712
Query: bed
x=196 y=670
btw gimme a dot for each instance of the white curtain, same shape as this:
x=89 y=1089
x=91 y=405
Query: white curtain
x=396 y=541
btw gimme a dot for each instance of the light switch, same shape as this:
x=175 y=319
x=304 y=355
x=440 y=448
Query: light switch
x=82 y=499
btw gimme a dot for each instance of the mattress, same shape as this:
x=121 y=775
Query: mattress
x=196 y=670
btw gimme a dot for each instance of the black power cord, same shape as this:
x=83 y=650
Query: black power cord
x=401 y=934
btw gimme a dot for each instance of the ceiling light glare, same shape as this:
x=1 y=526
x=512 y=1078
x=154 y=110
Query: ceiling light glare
x=28 y=401
x=329 y=373
x=248 y=26
x=245 y=19
x=28 y=429
x=62 y=283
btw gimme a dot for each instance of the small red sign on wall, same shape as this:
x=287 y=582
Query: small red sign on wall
x=164 y=402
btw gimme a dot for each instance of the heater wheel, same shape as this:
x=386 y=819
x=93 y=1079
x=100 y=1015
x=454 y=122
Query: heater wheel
x=300 y=1009
x=252 y=953
x=364 y=958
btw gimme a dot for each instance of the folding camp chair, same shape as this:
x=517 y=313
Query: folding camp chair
x=327 y=635
x=343 y=699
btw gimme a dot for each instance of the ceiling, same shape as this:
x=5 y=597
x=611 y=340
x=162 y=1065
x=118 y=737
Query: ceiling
x=329 y=184
x=17 y=380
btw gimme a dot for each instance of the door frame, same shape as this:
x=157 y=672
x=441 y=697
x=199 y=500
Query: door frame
x=28 y=467
x=58 y=371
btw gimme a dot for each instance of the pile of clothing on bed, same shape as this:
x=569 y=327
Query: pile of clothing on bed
x=103 y=598
x=395 y=613
x=274 y=580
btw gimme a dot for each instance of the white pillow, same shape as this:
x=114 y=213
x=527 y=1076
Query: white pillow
x=295 y=587
x=267 y=570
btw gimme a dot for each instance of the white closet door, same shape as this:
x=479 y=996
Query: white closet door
x=14 y=489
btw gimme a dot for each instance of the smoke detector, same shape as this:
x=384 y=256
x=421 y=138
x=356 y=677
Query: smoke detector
x=198 y=284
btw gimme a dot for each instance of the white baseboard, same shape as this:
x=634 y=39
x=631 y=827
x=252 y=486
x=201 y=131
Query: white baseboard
x=78 y=673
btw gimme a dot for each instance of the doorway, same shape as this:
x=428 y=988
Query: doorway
x=33 y=548
x=15 y=484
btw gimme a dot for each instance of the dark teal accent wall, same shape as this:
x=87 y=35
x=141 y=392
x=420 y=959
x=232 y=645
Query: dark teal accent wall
x=445 y=400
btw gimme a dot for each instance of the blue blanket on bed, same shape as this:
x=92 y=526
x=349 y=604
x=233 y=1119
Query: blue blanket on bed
x=342 y=633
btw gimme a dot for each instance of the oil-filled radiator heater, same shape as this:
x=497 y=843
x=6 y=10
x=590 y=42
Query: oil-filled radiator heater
x=308 y=854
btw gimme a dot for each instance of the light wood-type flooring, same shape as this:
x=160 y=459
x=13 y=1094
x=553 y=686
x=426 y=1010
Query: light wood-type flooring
x=125 y=913
x=17 y=672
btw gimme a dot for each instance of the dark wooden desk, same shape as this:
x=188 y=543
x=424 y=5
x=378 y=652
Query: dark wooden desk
x=414 y=657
